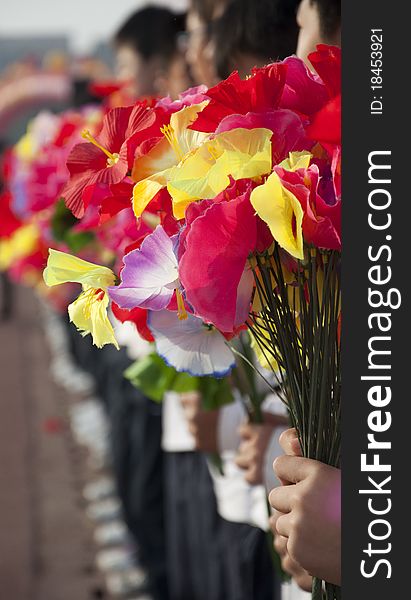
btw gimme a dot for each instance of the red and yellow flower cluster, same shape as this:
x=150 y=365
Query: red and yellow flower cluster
x=177 y=198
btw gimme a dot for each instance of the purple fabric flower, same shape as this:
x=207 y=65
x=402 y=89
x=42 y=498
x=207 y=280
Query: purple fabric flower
x=150 y=274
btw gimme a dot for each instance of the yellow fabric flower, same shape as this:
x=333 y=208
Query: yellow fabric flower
x=194 y=165
x=282 y=212
x=25 y=148
x=265 y=358
x=89 y=311
x=296 y=160
x=152 y=171
x=22 y=243
x=239 y=153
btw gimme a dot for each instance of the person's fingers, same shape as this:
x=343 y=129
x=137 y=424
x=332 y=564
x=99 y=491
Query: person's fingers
x=281 y=498
x=293 y=468
x=304 y=581
x=189 y=396
x=253 y=475
x=191 y=413
x=273 y=520
x=190 y=399
x=246 y=431
x=284 y=525
x=243 y=458
x=300 y=576
x=190 y=405
x=280 y=544
x=193 y=429
x=289 y=565
x=290 y=443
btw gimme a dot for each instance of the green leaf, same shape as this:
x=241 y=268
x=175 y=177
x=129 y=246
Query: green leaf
x=62 y=224
x=184 y=382
x=215 y=392
x=154 y=378
x=62 y=221
x=77 y=241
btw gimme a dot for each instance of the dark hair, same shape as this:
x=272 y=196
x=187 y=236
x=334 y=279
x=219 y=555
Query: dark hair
x=330 y=17
x=81 y=93
x=152 y=31
x=267 y=29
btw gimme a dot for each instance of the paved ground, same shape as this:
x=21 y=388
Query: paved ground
x=46 y=552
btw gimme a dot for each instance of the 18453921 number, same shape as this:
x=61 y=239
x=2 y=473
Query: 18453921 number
x=376 y=59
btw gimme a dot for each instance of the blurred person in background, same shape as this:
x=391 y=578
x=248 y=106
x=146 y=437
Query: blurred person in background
x=199 y=55
x=252 y=34
x=148 y=55
x=320 y=23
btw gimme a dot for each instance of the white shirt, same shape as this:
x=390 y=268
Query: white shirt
x=176 y=435
x=237 y=500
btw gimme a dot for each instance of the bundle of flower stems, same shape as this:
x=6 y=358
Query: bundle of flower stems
x=297 y=331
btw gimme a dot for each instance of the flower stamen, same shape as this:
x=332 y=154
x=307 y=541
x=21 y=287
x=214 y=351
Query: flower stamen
x=170 y=135
x=90 y=296
x=112 y=158
x=213 y=152
x=181 y=313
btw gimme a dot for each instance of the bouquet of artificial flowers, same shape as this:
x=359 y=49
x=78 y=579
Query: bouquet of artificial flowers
x=236 y=193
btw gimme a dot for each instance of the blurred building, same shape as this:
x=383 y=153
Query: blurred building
x=33 y=48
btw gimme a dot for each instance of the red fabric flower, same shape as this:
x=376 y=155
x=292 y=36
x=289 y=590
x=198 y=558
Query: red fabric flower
x=321 y=222
x=218 y=243
x=304 y=92
x=108 y=199
x=326 y=60
x=9 y=223
x=138 y=316
x=259 y=93
x=326 y=125
x=110 y=157
x=67 y=129
x=105 y=88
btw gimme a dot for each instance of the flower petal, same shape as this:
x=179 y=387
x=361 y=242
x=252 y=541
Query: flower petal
x=160 y=158
x=287 y=127
x=150 y=274
x=304 y=92
x=20 y=244
x=153 y=170
x=296 y=160
x=239 y=153
x=212 y=266
x=144 y=191
x=259 y=93
x=282 y=212
x=89 y=315
x=321 y=222
x=326 y=60
x=62 y=268
x=188 y=139
x=189 y=345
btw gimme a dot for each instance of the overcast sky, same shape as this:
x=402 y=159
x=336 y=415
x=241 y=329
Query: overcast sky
x=85 y=21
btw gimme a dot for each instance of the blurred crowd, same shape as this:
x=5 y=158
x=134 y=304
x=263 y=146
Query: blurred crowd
x=192 y=482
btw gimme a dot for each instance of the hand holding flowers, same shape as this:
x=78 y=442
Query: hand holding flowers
x=237 y=198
